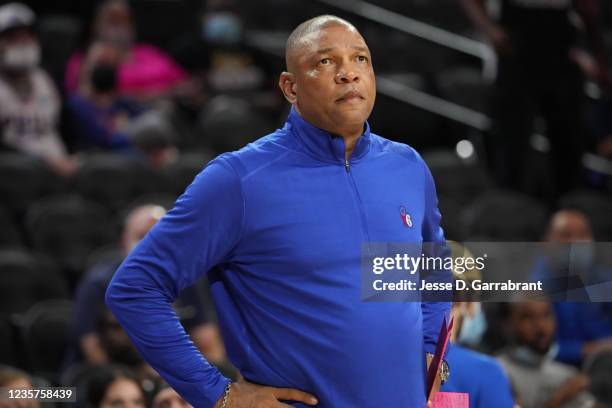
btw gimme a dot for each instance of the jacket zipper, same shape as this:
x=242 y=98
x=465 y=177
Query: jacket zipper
x=364 y=225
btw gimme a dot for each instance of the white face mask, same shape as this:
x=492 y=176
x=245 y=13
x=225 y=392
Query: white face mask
x=21 y=57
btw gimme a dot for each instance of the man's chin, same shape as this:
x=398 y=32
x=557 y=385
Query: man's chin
x=352 y=116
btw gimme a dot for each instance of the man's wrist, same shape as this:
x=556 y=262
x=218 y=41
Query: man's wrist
x=444 y=371
x=226 y=395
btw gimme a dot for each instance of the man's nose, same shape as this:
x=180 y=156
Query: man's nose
x=344 y=76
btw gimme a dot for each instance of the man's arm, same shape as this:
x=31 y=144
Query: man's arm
x=198 y=233
x=434 y=246
x=201 y=231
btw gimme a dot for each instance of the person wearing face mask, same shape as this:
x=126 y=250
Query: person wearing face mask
x=144 y=72
x=100 y=116
x=539 y=380
x=474 y=373
x=29 y=102
x=584 y=328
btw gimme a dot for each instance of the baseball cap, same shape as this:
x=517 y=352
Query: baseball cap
x=13 y=15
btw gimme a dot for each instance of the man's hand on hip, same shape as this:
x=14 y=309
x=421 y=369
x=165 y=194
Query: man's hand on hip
x=244 y=394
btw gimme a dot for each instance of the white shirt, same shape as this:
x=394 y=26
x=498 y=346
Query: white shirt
x=30 y=125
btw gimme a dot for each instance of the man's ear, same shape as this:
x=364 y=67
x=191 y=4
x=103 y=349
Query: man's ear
x=287 y=84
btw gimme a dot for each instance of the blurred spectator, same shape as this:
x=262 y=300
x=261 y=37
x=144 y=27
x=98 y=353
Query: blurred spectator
x=99 y=114
x=538 y=75
x=144 y=72
x=114 y=387
x=474 y=373
x=583 y=327
x=538 y=380
x=29 y=102
x=166 y=397
x=232 y=65
x=111 y=347
x=598 y=368
x=13 y=378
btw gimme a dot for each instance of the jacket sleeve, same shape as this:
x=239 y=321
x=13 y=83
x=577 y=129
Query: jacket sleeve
x=200 y=232
x=434 y=246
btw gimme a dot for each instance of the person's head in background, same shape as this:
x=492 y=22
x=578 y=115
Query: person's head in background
x=115 y=342
x=569 y=225
x=222 y=24
x=138 y=222
x=469 y=320
x=13 y=378
x=19 y=47
x=113 y=23
x=533 y=325
x=114 y=387
x=99 y=73
x=166 y=397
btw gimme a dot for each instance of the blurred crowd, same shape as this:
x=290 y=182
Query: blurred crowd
x=108 y=109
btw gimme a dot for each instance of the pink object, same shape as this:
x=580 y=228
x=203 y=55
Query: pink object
x=147 y=71
x=450 y=400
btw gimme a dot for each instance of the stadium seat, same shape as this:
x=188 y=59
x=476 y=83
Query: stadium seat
x=26 y=278
x=181 y=173
x=455 y=178
x=596 y=206
x=23 y=179
x=402 y=122
x=58 y=35
x=114 y=180
x=228 y=123
x=464 y=86
x=502 y=215
x=8 y=344
x=69 y=228
x=10 y=235
x=45 y=330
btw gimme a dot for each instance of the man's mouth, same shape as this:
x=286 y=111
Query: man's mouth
x=351 y=96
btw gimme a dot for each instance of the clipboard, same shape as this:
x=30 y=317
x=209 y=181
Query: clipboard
x=434 y=366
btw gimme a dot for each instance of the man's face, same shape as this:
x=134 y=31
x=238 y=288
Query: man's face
x=19 y=49
x=569 y=226
x=168 y=398
x=334 y=80
x=534 y=324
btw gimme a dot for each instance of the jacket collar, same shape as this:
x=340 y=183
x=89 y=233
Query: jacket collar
x=322 y=144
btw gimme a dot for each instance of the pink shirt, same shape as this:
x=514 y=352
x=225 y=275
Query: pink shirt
x=148 y=71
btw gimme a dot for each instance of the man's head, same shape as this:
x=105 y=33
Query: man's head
x=329 y=77
x=19 y=48
x=138 y=222
x=113 y=22
x=166 y=397
x=533 y=324
x=567 y=226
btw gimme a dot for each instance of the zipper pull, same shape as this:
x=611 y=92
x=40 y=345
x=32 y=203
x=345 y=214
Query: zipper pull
x=347 y=166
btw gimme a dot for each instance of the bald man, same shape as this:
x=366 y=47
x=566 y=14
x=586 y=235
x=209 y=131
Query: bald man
x=278 y=227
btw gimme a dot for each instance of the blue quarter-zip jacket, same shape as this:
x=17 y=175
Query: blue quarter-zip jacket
x=278 y=226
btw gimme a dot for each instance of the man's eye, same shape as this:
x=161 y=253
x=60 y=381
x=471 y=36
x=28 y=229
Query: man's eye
x=325 y=61
x=362 y=58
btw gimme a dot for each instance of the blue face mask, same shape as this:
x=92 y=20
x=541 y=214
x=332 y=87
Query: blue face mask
x=222 y=28
x=473 y=327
